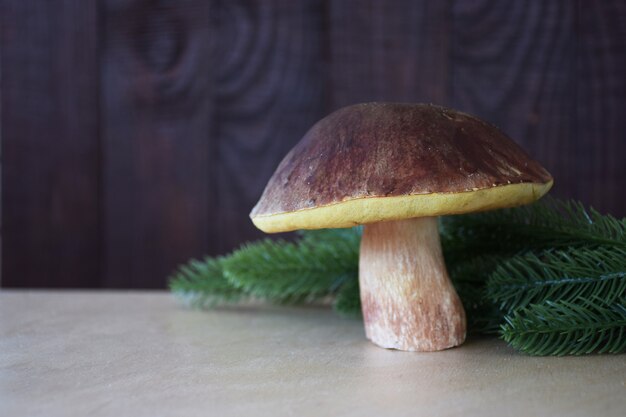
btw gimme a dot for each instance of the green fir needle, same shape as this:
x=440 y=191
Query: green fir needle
x=550 y=277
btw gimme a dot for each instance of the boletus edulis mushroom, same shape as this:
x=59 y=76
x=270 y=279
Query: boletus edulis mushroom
x=394 y=168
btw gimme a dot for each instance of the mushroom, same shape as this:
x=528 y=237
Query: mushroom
x=394 y=168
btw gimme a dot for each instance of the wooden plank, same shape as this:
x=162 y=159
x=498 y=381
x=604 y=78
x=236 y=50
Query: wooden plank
x=269 y=90
x=385 y=51
x=514 y=65
x=137 y=354
x=156 y=110
x=50 y=213
x=600 y=112
x=551 y=76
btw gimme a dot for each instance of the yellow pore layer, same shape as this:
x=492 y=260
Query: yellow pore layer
x=357 y=211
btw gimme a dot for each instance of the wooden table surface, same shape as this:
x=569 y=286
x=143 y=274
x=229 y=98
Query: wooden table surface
x=141 y=354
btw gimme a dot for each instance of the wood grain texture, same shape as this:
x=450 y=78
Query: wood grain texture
x=50 y=213
x=547 y=73
x=139 y=133
x=598 y=157
x=156 y=106
x=388 y=51
x=269 y=91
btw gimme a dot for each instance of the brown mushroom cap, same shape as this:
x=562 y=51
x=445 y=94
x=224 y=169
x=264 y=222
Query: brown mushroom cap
x=387 y=161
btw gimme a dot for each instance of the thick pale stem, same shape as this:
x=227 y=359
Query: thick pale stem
x=407 y=298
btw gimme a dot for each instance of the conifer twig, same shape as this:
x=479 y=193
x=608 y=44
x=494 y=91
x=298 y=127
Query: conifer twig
x=559 y=275
x=289 y=272
x=568 y=328
x=546 y=224
x=202 y=284
x=551 y=276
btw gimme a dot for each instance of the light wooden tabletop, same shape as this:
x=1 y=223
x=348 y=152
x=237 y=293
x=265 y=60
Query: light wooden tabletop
x=141 y=354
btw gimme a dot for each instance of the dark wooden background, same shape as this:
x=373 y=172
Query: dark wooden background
x=138 y=134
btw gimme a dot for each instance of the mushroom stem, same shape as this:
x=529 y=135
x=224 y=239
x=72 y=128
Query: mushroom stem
x=407 y=298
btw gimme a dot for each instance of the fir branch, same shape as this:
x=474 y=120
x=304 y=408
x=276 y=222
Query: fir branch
x=549 y=223
x=474 y=271
x=202 y=284
x=350 y=236
x=348 y=300
x=559 y=275
x=556 y=268
x=282 y=271
x=469 y=277
x=568 y=328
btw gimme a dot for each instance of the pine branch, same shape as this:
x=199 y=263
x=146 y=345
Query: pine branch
x=542 y=264
x=559 y=275
x=202 y=284
x=348 y=300
x=549 y=223
x=568 y=328
x=469 y=277
x=474 y=270
x=288 y=272
x=351 y=236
